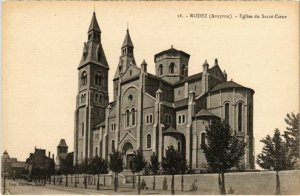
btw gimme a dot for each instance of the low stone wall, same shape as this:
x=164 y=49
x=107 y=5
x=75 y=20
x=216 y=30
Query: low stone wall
x=263 y=182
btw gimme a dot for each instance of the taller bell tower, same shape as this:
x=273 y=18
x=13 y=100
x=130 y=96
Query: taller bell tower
x=92 y=97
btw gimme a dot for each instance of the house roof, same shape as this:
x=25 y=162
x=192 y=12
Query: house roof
x=18 y=164
x=170 y=129
x=181 y=103
x=171 y=51
x=227 y=85
x=102 y=124
x=189 y=78
x=168 y=104
x=173 y=131
x=197 y=76
x=204 y=112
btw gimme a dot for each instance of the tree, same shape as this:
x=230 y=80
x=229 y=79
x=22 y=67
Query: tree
x=133 y=177
x=223 y=149
x=75 y=171
x=291 y=134
x=171 y=164
x=50 y=170
x=276 y=156
x=84 y=169
x=139 y=163
x=99 y=166
x=67 y=166
x=154 y=166
x=116 y=165
x=183 y=169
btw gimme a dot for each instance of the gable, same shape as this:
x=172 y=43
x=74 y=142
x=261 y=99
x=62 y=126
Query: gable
x=216 y=71
x=128 y=136
x=131 y=71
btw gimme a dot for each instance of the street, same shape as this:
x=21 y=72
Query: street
x=21 y=187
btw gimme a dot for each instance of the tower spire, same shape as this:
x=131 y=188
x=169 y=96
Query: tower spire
x=94 y=24
x=127 y=41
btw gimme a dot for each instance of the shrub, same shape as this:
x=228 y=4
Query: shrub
x=191 y=171
x=194 y=186
x=147 y=171
x=230 y=191
x=165 y=184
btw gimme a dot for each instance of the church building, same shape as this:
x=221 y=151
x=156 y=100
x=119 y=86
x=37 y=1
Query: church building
x=153 y=111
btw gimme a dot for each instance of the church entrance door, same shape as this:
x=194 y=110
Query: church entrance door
x=129 y=158
x=127 y=152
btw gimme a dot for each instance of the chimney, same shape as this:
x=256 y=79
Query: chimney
x=53 y=156
x=49 y=154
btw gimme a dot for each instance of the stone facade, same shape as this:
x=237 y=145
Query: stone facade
x=154 y=111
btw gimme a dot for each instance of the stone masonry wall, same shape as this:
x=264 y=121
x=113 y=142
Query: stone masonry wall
x=242 y=183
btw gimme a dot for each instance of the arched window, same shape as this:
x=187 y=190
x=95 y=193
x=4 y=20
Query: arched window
x=127 y=116
x=149 y=141
x=183 y=118
x=100 y=98
x=227 y=113
x=82 y=98
x=203 y=135
x=172 y=67
x=82 y=129
x=98 y=79
x=96 y=97
x=160 y=69
x=113 y=145
x=133 y=116
x=179 y=146
x=183 y=70
x=240 y=116
x=96 y=151
x=83 y=78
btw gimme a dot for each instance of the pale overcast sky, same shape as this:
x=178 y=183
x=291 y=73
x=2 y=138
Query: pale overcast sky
x=43 y=44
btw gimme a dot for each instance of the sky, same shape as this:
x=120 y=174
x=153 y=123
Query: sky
x=42 y=44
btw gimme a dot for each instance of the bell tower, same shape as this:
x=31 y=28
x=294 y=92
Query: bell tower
x=126 y=58
x=92 y=96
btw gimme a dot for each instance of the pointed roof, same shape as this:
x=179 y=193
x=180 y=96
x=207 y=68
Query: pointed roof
x=144 y=62
x=127 y=41
x=62 y=143
x=93 y=52
x=94 y=24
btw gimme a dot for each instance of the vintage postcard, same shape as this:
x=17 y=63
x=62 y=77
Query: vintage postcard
x=107 y=97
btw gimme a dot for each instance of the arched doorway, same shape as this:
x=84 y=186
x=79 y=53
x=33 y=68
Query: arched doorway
x=127 y=152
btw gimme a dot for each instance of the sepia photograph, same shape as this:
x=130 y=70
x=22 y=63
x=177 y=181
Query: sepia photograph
x=156 y=98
